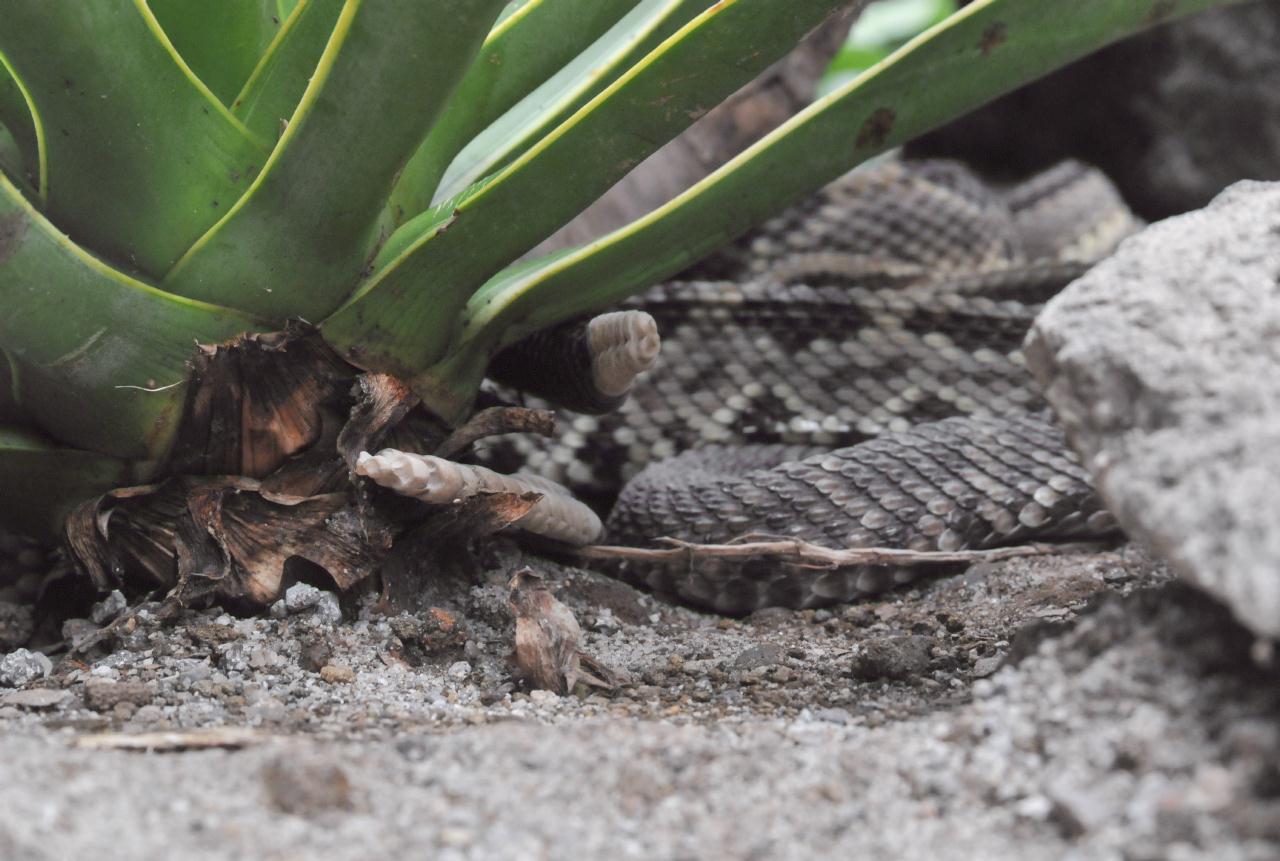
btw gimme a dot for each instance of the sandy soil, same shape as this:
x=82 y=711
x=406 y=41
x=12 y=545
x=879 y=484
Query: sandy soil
x=1060 y=707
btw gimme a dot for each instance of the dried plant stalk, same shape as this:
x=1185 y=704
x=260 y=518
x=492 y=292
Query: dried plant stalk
x=796 y=552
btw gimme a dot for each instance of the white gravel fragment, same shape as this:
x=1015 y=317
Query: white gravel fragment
x=327 y=611
x=22 y=666
x=301 y=597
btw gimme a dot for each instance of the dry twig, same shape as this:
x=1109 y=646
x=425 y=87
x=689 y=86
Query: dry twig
x=806 y=554
x=495 y=421
x=158 y=742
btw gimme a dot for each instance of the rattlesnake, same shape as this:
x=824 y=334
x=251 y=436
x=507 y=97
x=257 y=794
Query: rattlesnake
x=808 y=374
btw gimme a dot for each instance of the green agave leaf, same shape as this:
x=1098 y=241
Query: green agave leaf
x=11 y=412
x=400 y=321
x=43 y=482
x=100 y=357
x=276 y=86
x=220 y=42
x=299 y=239
x=12 y=162
x=141 y=158
x=988 y=48
x=15 y=116
x=435 y=220
x=510 y=9
x=628 y=42
x=521 y=52
x=879 y=31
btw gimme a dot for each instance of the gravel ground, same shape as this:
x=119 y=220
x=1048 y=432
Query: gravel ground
x=1073 y=706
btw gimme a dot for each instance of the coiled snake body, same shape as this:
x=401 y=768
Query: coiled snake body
x=808 y=374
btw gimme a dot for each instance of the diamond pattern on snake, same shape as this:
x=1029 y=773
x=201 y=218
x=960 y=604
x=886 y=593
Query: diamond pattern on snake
x=848 y=374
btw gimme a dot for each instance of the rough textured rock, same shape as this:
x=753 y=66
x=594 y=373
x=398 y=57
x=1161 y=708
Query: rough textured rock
x=1163 y=363
x=897 y=658
x=22 y=666
x=106 y=694
x=1173 y=116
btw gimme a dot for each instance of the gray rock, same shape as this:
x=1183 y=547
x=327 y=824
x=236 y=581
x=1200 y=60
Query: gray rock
x=301 y=597
x=108 y=608
x=78 y=631
x=197 y=673
x=148 y=715
x=327 y=611
x=263 y=659
x=22 y=666
x=764 y=655
x=35 y=698
x=833 y=715
x=984 y=667
x=105 y=694
x=897 y=658
x=1163 y=363
x=1172 y=116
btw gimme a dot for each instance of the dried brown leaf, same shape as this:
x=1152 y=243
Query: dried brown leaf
x=256 y=401
x=381 y=403
x=547 y=640
x=262 y=533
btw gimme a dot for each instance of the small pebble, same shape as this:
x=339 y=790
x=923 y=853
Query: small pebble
x=22 y=666
x=198 y=673
x=335 y=674
x=314 y=655
x=833 y=715
x=77 y=631
x=327 y=610
x=759 y=656
x=984 y=667
x=148 y=715
x=108 y=608
x=35 y=698
x=301 y=597
x=897 y=658
x=104 y=694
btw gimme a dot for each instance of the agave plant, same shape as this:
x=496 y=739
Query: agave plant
x=244 y=240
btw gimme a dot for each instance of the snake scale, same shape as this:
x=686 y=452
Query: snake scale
x=849 y=374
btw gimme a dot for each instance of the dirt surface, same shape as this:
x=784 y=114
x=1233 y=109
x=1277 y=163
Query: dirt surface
x=1070 y=706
